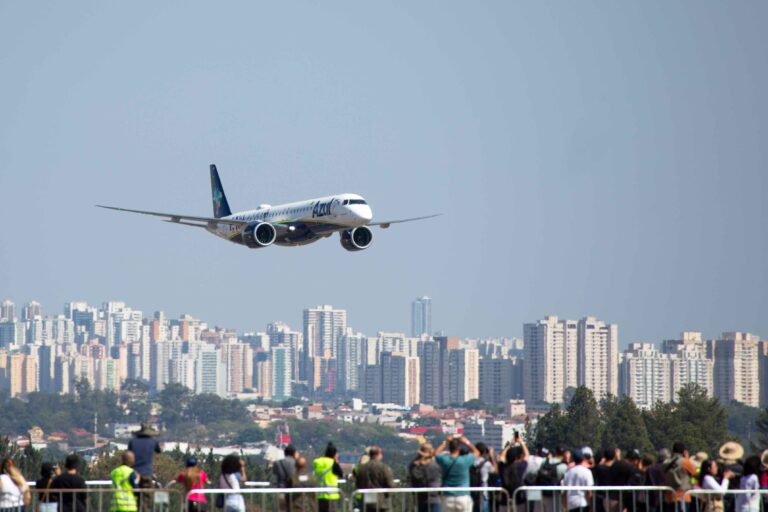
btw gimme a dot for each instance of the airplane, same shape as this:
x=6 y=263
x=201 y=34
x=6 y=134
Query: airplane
x=290 y=224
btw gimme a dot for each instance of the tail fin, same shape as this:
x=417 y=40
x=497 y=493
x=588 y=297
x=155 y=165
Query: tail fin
x=220 y=204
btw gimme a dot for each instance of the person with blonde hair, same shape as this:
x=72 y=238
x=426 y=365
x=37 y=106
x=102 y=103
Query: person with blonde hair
x=14 y=491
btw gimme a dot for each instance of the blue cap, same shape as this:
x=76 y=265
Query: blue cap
x=191 y=462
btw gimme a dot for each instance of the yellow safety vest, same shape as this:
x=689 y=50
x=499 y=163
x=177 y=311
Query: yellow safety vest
x=325 y=477
x=123 y=500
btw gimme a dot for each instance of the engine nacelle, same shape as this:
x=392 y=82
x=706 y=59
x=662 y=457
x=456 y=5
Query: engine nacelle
x=356 y=239
x=259 y=234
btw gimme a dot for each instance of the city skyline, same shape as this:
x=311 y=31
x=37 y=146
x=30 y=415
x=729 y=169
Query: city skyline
x=327 y=359
x=624 y=342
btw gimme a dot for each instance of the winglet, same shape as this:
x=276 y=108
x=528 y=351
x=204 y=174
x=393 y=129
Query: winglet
x=220 y=204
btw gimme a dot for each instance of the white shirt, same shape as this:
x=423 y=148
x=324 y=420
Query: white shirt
x=233 y=500
x=748 y=502
x=11 y=496
x=578 y=476
x=709 y=483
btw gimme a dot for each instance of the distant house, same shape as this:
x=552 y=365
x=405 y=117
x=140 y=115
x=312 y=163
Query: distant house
x=36 y=435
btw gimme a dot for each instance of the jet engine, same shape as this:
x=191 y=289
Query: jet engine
x=259 y=234
x=356 y=239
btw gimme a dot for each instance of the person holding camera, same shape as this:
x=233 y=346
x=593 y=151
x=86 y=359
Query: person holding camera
x=455 y=468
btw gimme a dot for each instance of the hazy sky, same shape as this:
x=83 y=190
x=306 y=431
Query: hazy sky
x=604 y=158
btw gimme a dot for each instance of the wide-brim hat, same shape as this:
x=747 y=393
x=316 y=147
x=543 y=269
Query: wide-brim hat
x=731 y=452
x=764 y=459
x=426 y=450
x=146 y=430
x=699 y=458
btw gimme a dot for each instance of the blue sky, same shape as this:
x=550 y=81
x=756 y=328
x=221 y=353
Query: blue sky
x=604 y=158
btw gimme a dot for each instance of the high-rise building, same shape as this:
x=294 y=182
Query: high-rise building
x=281 y=367
x=598 y=356
x=565 y=353
x=549 y=344
x=463 y=375
x=645 y=375
x=737 y=368
x=323 y=326
x=350 y=360
x=421 y=316
x=501 y=380
x=433 y=356
x=31 y=310
x=8 y=311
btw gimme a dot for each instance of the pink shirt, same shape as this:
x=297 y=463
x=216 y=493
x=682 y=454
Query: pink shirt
x=200 y=484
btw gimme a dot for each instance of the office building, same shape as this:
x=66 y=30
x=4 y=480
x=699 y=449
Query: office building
x=421 y=316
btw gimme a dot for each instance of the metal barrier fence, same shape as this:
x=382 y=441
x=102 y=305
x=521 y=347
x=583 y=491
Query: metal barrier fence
x=729 y=500
x=103 y=499
x=429 y=499
x=296 y=499
x=595 y=498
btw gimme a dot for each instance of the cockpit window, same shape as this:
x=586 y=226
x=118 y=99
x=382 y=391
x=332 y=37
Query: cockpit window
x=356 y=201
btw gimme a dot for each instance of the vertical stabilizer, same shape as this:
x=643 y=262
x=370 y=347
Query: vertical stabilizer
x=220 y=204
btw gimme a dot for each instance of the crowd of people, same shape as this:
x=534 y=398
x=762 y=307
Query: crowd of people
x=458 y=471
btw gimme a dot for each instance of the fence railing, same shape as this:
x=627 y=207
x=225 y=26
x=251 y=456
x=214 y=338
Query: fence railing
x=595 y=498
x=702 y=500
x=105 y=499
x=97 y=497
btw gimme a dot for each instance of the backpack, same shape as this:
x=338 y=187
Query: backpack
x=419 y=476
x=475 y=474
x=547 y=474
x=675 y=474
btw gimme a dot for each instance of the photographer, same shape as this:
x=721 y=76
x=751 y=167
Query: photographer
x=455 y=468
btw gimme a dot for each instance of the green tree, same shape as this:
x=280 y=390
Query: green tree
x=551 y=427
x=623 y=425
x=761 y=427
x=701 y=419
x=661 y=425
x=583 y=420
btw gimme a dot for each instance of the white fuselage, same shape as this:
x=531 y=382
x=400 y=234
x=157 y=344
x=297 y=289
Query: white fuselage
x=320 y=217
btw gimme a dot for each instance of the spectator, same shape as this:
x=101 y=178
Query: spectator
x=327 y=473
x=374 y=474
x=551 y=473
x=70 y=480
x=193 y=478
x=602 y=476
x=423 y=471
x=749 y=502
x=711 y=480
x=579 y=475
x=232 y=473
x=300 y=501
x=589 y=457
x=48 y=472
x=654 y=476
x=513 y=463
x=124 y=481
x=14 y=491
x=678 y=472
x=283 y=469
x=480 y=474
x=144 y=447
x=455 y=472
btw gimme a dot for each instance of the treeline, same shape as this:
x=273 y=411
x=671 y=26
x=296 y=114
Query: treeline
x=699 y=421
x=204 y=418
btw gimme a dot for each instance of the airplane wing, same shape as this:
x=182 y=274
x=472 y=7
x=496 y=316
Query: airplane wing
x=178 y=219
x=386 y=224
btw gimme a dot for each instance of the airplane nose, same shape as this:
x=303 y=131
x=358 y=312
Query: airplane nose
x=365 y=213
